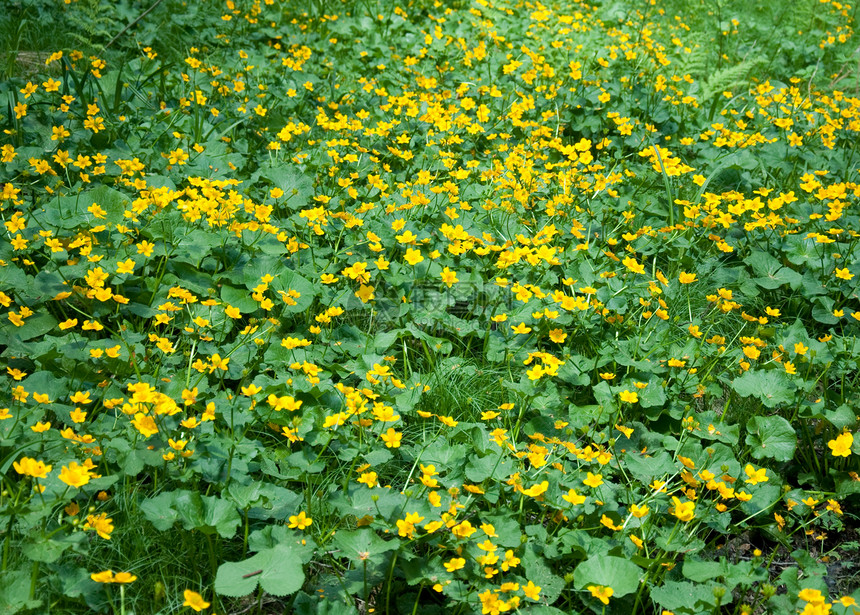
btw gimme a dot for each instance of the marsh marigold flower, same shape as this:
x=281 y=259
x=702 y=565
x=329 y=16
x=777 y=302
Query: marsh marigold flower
x=406 y=527
x=755 y=476
x=593 y=480
x=841 y=446
x=392 y=438
x=629 y=397
x=300 y=521
x=101 y=523
x=31 y=467
x=194 y=601
x=685 y=511
x=75 y=475
x=107 y=576
x=633 y=265
x=601 y=593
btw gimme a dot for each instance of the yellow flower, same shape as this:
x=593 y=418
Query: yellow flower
x=126 y=266
x=300 y=521
x=101 y=524
x=251 y=390
x=601 y=593
x=81 y=397
x=633 y=265
x=369 y=479
x=813 y=596
x=536 y=490
x=573 y=497
x=106 y=576
x=144 y=424
x=630 y=397
x=841 y=446
x=685 y=511
x=755 y=476
x=834 y=507
x=145 y=248
x=40 y=427
x=124 y=577
x=531 y=591
x=607 y=521
x=593 y=480
x=686 y=278
x=365 y=293
x=463 y=529
x=216 y=362
x=454 y=564
x=535 y=372
x=449 y=277
x=843 y=274
x=194 y=601
x=31 y=467
x=639 y=511
x=406 y=527
x=752 y=352
x=557 y=335
x=392 y=438
x=413 y=256
x=74 y=475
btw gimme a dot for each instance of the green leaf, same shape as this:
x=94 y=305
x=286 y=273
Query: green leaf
x=44 y=549
x=841 y=417
x=132 y=463
x=540 y=574
x=364 y=545
x=492 y=466
x=236 y=579
x=221 y=515
x=773 y=388
x=111 y=200
x=771 y=272
x=675 y=595
x=765 y=496
x=701 y=571
x=34 y=326
x=644 y=468
x=15 y=592
x=771 y=437
x=278 y=571
x=159 y=512
x=620 y=574
x=320 y=605
x=652 y=396
x=297 y=187
x=508 y=530
x=377 y=457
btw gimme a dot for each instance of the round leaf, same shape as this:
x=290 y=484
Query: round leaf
x=620 y=574
x=772 y=437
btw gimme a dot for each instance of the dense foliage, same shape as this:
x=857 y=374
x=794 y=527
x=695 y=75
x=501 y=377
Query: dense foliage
x=453 y=307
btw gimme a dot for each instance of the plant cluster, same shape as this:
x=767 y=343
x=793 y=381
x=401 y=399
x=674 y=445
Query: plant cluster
x=434 y=307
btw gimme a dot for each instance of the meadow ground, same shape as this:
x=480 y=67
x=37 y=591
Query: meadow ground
x=429 y=307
